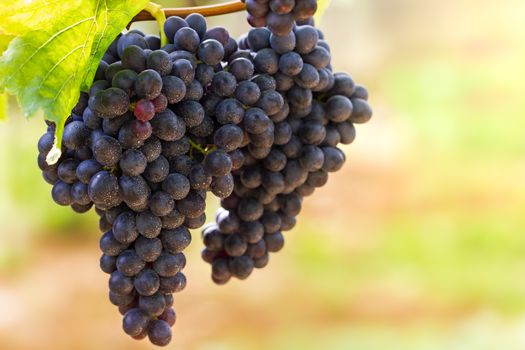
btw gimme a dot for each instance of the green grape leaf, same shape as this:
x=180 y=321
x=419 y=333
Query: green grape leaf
x=5 y=39
x=322 y=5
x=56 y=48
x=3 y=107
x=19 y=17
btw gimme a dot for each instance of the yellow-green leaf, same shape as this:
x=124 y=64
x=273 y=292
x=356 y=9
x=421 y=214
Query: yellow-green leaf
x=322 y=5
x=5 y=39
x=19 y=17
x=57 y=47
x=3 y=107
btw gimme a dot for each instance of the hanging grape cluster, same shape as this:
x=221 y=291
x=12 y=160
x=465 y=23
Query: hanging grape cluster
x=257 y=122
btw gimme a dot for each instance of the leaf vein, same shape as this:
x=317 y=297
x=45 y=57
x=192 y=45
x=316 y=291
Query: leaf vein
x=62 y=87
x=57 y=64
x=54 y=36
x=99 y=40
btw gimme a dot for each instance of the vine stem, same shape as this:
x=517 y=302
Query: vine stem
x=156 y=12
x=206 y=11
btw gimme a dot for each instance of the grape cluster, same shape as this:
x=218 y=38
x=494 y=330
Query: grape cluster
x=256 y=122
x=280 y=16
x=293 y=154
x=157 y=131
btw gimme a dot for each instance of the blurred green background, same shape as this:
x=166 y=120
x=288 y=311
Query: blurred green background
x=417 y=244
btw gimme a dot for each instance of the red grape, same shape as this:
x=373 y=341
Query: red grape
x=144 y=110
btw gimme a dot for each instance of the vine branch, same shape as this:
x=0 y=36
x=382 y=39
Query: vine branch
x=206 y=11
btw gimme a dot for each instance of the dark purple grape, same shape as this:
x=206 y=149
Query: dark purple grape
x=148 y=84
x=159 y=333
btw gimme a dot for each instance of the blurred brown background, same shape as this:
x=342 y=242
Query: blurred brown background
x=417 y=244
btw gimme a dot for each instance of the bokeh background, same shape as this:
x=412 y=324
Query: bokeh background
x=417 y=244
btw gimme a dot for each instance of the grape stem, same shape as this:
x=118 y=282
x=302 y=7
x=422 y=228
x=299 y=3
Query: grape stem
x=206 y=11
x=197 y=147
x=156 y=12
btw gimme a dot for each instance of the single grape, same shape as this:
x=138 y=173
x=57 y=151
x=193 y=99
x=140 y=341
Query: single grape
x=61 y=193
x=242 y=69
x=129 y=263
x=141 y=130
x=148 y=249
x=169 y=316
x=229 y=137
x=107 y=151
x=161 y=203
x=173 y=88
x=75 y=136
x=132 y=162
x=177 y=185
x=224 y=84
x=176 y=240
x=124 y=228
x=110 y=103
x=198 y=23
x=186 y=38
x=266 y=61
x=120 y=284
x=160 y=103
x=160 y=62
x=134 y=190
x=148 y=84
x=66 y=170
x=135 y=322
x=168 y=265
x=191 y=112
x=247 y=93
x=210 y=52
x=280 y=24
x=147 y=282
x=144 y=110
x=241 y=267
x=133 y=57
x=218 y=163
x=168 y=126
x=283 y=44
x=159 y=333
x=152 y=305
x=157 y=170
x=256 y=121
x=258 y=38
x=104 y=190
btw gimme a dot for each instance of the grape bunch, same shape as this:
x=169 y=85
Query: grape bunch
x=143 y=150
x=293 y=155
x=280 y=16
x=256 y=122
